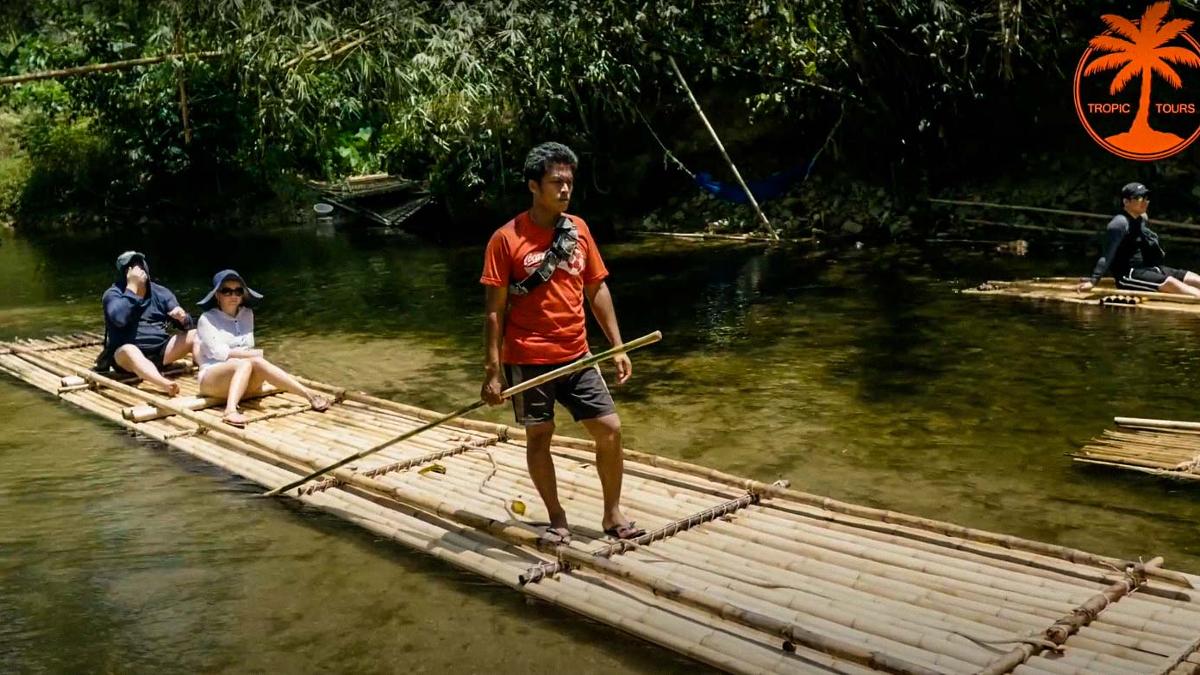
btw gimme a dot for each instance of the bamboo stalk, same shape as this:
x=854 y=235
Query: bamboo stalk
x=1063 y=212
x=183 y=97
x=146 y=413
x=103 y=67
x=762 y=217
x=1143 y=423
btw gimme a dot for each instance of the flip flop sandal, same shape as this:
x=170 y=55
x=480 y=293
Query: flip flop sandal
x=558 y=536
x=321 y=405
x=630 y=531
x=240 y=424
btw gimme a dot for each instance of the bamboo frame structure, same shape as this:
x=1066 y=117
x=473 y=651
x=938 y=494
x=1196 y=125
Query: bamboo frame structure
x=1060 y=289
x=741 y=575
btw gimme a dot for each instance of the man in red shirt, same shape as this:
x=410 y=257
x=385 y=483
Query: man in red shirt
x=537 y=269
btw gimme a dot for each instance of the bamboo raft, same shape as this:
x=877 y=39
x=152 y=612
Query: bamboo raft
x=741 y=575
x=1062 y=289
x=1166 y=448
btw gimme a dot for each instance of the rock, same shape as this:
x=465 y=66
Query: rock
x=851 y=227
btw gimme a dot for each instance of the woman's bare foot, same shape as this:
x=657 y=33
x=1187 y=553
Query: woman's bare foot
x=234 y=419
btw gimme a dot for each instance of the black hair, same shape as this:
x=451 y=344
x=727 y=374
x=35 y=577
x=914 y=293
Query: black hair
x=542 y=157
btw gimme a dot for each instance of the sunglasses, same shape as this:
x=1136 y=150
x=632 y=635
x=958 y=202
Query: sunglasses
x=239 y=291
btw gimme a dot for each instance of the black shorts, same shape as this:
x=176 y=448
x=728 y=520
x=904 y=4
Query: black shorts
x=1148 y=278
x=584 y=394
x=156 y=355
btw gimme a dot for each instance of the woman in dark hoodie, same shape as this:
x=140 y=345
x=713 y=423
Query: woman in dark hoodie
x=142 y=321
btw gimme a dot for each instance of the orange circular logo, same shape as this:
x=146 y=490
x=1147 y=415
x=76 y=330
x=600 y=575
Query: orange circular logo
x=1135 y=85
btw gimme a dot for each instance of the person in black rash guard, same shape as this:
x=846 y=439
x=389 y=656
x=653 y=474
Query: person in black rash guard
x=1132 y=254
x=140 y=318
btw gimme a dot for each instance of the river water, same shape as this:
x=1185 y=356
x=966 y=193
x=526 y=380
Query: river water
x=861 y=375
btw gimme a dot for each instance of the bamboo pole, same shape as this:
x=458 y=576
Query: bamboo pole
x=1144 y=423
x=1061 y=212
x=103 y=67
x=762 y=217
x=1057 y=634
x=146 y=413
x=511 y=391
x=183 y=97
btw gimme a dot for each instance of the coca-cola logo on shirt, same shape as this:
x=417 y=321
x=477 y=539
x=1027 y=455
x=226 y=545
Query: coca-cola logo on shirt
x=574 y=266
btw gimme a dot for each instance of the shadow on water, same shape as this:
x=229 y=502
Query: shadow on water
x=862 y=375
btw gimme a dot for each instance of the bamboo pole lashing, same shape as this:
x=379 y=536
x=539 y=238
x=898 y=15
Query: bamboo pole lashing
x=536 y=574
x=1058 y=633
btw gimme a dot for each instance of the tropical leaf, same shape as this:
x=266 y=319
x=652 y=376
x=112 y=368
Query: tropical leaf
x=1121 y=26
x=1109 y=43
x=1167 y=73
x=1180 y=55
x=1107 y=62
x=1123 y=77
x=1152 y=18
x=1170 y=30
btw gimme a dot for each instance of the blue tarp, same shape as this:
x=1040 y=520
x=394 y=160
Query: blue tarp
x=764 y=190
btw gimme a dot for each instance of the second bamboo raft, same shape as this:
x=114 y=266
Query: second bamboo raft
x=1167 y=448
x=740 y=575
x=1063 y=289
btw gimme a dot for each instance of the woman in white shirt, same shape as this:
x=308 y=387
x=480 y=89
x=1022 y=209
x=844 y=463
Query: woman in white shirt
x=229 y=364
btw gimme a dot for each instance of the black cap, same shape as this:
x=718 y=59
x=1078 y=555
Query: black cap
x=1132 y=190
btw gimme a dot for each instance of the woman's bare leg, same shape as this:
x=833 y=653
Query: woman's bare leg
x=280 y=378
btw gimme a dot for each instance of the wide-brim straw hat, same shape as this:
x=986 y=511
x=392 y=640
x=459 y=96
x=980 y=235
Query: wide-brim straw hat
x=249 y=299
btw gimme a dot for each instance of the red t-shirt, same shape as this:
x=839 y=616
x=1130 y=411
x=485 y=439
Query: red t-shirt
x=547 y=326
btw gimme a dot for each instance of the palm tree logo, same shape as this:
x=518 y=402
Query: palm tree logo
x=1140 y=50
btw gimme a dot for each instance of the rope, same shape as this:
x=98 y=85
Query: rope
x=666 y=151
x=325 y=484
x=621 y=546
x=1032 y=639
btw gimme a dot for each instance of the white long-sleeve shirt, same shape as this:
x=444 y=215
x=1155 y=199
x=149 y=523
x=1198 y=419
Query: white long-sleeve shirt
x=219 y=333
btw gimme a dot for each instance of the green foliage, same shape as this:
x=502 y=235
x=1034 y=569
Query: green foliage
x=456 y=92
